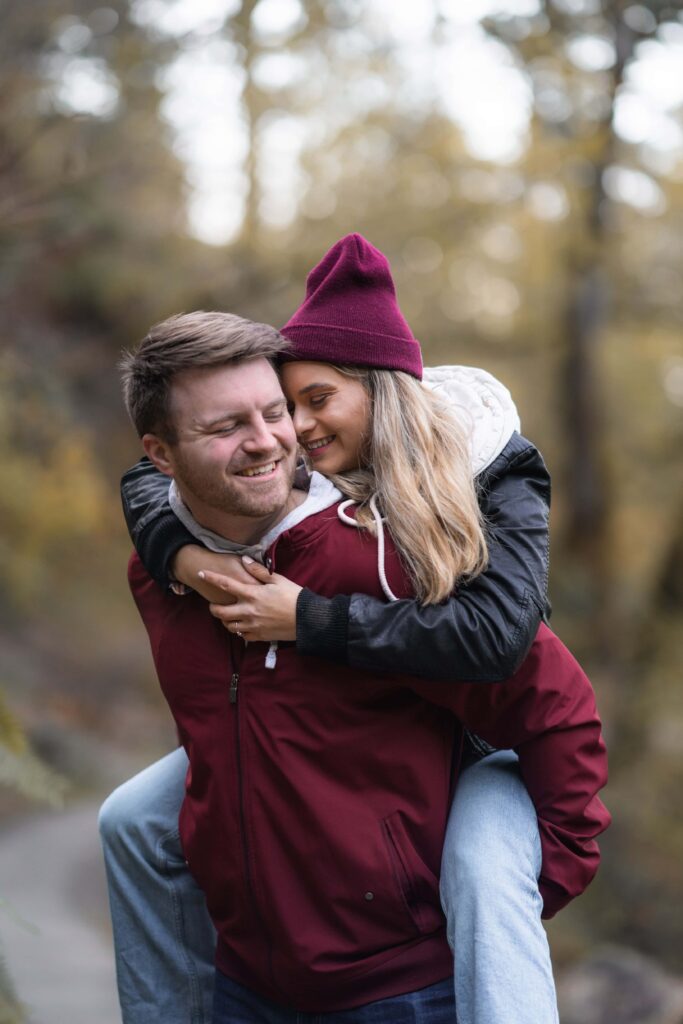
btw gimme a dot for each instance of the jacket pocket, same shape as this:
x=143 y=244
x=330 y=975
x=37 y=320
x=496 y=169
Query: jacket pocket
x=418 y=886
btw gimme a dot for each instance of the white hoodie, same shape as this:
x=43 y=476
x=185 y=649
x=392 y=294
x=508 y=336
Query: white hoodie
x=482 y=404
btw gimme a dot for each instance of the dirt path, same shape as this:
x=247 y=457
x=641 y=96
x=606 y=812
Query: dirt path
x=51 y=873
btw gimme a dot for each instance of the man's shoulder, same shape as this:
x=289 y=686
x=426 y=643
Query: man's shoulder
x=314 y=526
x=137 y=574
x=146 y=591
x=331 y=556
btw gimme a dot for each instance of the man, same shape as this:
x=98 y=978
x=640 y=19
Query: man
x=316 y=800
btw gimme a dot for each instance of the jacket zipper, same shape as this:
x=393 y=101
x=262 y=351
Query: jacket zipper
x=234 y=684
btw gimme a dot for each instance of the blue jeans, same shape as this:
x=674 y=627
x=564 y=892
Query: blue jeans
x=489 y=892
x=164 y=939
x=234 y=1004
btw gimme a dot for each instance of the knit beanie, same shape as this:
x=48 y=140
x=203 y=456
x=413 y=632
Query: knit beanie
x=350 y=314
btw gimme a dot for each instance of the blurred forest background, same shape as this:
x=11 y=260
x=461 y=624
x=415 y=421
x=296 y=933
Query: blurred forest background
x=521 y=165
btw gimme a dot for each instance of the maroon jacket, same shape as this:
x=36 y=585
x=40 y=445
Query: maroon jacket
x=317 y=799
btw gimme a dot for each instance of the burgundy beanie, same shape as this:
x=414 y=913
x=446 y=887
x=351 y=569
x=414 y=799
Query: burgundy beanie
x=351 y=315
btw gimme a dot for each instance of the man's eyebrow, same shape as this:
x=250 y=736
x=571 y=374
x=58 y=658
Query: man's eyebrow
x=208 y=424
x=237 y=415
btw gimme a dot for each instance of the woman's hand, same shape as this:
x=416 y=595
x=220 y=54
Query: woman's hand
x=192 y=559
x=265 y=612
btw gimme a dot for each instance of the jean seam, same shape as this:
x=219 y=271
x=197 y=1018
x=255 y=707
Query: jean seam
x=196 y=1002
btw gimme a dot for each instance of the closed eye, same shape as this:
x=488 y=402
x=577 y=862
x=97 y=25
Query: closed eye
x=319 y=400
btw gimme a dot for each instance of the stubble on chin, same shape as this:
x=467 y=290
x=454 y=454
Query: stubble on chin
x=229 y=496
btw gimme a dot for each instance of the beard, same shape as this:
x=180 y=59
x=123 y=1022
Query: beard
x=221 y=491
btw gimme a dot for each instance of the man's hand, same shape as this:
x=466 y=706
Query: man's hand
x=265 y=612
x=190 y=561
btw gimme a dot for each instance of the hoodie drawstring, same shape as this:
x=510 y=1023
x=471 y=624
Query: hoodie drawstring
x=271 y=656
x=379 y=523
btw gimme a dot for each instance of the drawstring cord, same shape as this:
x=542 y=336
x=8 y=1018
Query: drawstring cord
x=271 y=656
x=379 y=523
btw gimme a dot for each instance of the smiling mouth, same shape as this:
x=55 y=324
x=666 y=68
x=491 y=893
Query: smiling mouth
x=265 y=470
x=320 y=442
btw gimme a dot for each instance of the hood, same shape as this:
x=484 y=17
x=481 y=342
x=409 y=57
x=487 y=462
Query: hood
x=481 y=403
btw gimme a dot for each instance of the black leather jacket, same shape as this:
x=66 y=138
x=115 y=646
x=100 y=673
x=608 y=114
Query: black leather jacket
x=481 y=635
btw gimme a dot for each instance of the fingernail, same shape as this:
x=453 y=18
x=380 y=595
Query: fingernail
x=247 y=560
x=201 y=574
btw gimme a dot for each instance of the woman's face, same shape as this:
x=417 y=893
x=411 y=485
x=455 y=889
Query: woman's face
x=331 y=414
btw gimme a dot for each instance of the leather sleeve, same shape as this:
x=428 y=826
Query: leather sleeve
x=483 y=633
x=154 y=529
x=547 y=713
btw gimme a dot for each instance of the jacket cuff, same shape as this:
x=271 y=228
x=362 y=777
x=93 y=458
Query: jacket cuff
x=158 y=543
x=554 y=897
x=322 y=626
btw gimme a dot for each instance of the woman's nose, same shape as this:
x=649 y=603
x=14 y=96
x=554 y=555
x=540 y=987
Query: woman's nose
x=303 y=421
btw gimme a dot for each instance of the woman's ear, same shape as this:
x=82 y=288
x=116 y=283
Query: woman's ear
x=158 y=452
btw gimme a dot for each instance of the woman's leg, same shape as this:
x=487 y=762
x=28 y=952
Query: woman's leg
x=489 y=890
x=163 y=938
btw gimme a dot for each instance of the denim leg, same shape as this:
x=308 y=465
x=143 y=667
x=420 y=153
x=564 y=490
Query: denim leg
x=164 y=941
x=431 y=1005
x=489 y=891
x=234 y=1004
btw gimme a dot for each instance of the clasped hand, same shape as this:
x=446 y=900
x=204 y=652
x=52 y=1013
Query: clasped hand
x=266 y=612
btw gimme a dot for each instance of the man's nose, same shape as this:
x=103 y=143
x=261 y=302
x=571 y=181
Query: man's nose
x=261 y=437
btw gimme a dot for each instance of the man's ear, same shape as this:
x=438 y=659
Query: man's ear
x=158 y=452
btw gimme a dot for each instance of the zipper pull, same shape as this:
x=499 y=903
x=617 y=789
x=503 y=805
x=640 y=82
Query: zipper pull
x=234 y=680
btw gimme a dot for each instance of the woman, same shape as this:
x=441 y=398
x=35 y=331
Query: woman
x=396 y=451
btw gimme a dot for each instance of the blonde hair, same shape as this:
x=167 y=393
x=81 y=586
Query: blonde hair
x=418 y=465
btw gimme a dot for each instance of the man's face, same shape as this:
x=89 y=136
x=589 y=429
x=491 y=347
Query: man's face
x=236 y=448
